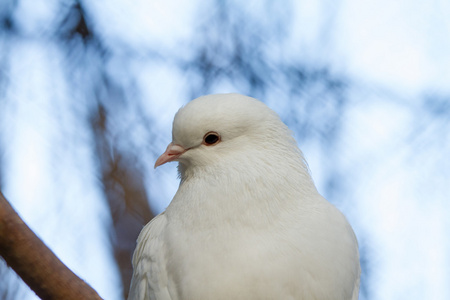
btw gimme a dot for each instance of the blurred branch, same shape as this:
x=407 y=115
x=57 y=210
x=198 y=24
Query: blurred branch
x=124 y=190
x=35 y=263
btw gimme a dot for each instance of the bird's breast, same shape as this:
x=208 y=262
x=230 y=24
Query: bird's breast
x=276 y=262
x=214 y=264
x=268 y=246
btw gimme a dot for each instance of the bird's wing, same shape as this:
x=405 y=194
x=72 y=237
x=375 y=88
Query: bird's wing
x=355 y=295
x=149 y=269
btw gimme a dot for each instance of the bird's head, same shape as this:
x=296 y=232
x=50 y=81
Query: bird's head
x=226 y=129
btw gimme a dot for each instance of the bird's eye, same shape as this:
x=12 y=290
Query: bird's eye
x=211 y=138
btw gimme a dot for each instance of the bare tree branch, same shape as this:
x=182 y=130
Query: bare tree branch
x=35 y=263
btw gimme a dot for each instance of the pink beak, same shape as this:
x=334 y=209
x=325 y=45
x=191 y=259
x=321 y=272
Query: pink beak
x=172 y=152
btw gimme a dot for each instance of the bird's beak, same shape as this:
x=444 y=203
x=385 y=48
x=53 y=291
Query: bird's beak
x=172 y=152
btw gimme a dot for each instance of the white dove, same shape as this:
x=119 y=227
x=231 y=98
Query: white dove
x=247 y=221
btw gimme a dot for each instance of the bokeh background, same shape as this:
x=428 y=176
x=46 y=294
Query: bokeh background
x=88 y=90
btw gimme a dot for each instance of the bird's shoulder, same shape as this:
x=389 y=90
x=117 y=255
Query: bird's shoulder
x=149 y=236
x=149 y=271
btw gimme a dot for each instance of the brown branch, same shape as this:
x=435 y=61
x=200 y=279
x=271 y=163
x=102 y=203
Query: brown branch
x=124 y=189
x=36 y=264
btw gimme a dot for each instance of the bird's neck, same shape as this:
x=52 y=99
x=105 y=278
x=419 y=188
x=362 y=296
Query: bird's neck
x=243 y=195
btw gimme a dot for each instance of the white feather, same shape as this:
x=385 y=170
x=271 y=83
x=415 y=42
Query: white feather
x=247 y=221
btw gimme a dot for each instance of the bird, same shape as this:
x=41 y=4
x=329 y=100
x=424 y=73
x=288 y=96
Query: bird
x=247 y=221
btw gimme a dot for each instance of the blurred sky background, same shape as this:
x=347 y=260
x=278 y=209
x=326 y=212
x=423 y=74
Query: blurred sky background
x=88 y=90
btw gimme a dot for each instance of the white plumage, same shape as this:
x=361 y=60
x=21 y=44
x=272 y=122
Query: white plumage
x=247 y=221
